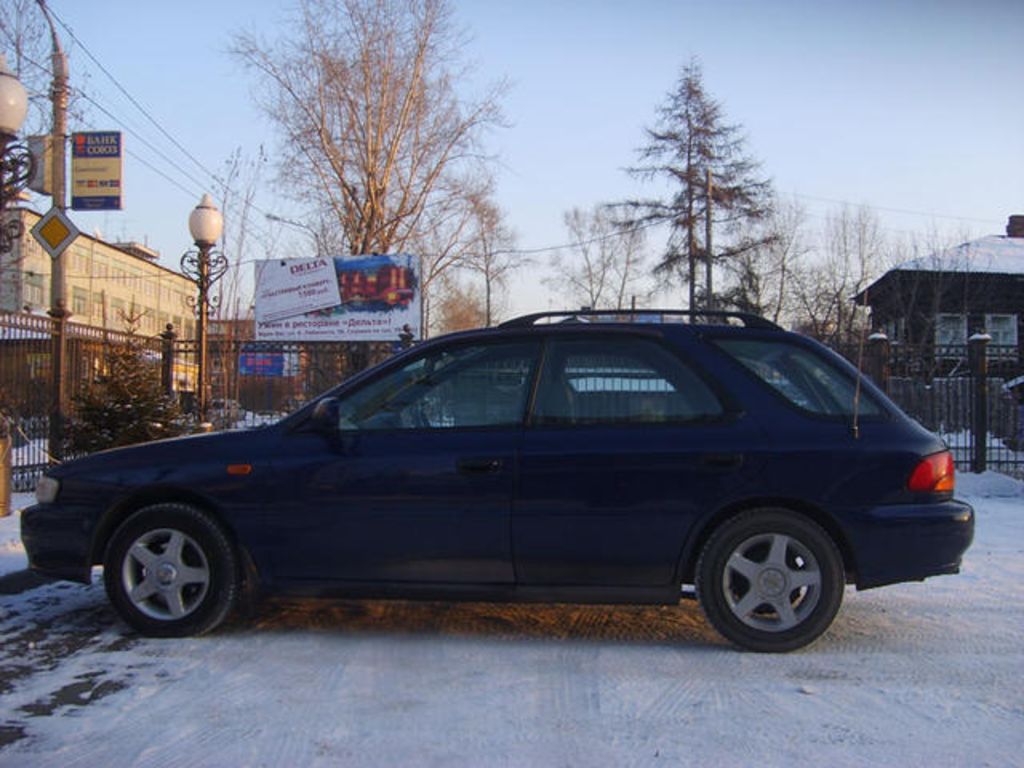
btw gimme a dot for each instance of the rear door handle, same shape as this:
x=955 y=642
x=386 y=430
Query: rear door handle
x=721 y=461
x=478 y=465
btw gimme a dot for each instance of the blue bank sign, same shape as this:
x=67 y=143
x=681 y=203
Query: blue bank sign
x=96 y=169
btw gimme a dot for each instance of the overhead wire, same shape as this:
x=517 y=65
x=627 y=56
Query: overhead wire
x=131 y=98
x=226 y=188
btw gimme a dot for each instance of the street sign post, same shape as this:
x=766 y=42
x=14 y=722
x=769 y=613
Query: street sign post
x=96 y=164
x=55 y=232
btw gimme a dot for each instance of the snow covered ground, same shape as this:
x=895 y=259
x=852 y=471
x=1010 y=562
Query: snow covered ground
x=916 y=674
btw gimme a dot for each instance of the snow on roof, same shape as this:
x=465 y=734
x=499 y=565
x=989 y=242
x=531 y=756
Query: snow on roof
x=994 y=254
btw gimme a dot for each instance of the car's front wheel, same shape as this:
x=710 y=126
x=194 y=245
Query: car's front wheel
x=770 y=580
x=170 y=571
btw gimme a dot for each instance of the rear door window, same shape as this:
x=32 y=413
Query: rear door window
x=619 y=381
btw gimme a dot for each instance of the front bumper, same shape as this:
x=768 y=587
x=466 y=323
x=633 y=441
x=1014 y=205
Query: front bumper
x=909 y=542
x=57 y=541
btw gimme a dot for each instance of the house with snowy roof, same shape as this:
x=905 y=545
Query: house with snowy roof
x=935 y=303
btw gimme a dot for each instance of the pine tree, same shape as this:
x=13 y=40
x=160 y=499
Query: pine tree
x=690 y=140
x=124 y=404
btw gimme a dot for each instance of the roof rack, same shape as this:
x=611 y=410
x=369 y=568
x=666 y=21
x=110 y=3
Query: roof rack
x=695 y=316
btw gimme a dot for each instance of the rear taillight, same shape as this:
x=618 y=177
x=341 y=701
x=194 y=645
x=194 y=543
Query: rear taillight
x=934 y=474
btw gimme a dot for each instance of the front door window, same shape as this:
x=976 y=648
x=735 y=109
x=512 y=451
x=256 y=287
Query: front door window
x=470 y=386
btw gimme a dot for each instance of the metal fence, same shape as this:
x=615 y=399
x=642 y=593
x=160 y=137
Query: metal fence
x=250 y=382
x=973 y=402
x=972 y=395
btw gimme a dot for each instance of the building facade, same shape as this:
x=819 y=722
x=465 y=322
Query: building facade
x=938 y=301
x=107 y=285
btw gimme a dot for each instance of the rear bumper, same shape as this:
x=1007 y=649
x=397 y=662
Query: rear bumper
x=911 y=542
x=57 y=542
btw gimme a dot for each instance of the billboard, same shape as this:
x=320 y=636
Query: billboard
x=96 y=163
x=377 y=297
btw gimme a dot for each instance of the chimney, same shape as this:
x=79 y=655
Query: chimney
x=1015 y=226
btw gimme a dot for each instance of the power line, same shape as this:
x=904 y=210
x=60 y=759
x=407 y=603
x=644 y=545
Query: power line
x=904 y=211
x=148 y=144
x=132 y=99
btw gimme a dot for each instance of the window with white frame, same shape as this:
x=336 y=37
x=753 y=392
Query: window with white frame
x=1002 y=329
x=950 y=330
x=35 y=291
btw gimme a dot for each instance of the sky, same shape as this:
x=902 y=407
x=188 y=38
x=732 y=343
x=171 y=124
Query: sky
x=911 y=108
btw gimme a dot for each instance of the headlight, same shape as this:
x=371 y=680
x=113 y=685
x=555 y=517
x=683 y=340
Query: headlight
x=46 y=489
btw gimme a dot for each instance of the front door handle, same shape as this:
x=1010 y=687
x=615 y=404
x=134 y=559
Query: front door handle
x=478 y=465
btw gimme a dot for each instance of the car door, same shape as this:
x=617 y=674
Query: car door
x=626 y=447
x=416 y=483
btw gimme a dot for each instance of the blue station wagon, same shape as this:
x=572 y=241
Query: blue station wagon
x=560 y=457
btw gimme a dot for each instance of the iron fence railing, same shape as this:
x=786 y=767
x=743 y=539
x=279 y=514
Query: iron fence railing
x=253 y=382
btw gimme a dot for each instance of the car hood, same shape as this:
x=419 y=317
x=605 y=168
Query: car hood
x=225 y=447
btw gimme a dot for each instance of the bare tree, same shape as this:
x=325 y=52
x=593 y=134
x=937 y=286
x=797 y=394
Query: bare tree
x=238 y=183
x=763 y=276
x=372 y=128
x=852 y=257
x=490 y=255
x=604 y=263
x=445 y=243
x=460 y=307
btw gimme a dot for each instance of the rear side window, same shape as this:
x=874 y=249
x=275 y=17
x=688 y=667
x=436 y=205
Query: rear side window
x=809 y=381
x=619 y=381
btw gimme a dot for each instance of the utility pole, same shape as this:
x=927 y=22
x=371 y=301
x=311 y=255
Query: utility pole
x=58 y=304
x=709 y=302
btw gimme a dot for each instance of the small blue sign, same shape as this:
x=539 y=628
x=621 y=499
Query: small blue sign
x=261 y=363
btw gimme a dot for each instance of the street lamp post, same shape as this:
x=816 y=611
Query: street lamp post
x=15 y=169
x=15 y=159
x=204 y=266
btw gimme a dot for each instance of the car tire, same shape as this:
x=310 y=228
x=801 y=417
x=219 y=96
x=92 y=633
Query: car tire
x=770 y=580
x=171 y=571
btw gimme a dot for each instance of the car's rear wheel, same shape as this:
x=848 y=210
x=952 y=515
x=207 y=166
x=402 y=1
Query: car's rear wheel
x=770 y=580
x=170 y=571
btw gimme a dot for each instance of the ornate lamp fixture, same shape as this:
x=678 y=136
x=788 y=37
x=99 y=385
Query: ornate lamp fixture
x=204 y=266
x=16 y=163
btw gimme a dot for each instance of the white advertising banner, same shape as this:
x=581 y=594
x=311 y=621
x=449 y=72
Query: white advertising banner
x=378 y=299
x=289 y=287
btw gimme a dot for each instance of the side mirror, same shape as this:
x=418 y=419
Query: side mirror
x=325 y=415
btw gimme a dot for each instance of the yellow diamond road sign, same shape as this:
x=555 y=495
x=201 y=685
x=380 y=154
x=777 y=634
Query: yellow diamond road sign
x=54 y=232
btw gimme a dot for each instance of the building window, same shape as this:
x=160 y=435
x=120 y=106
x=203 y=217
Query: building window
x=35 y=291
x=1002 y=329
x=950 y=330
x=895 y=330
x=117 y=315
x=79 y=301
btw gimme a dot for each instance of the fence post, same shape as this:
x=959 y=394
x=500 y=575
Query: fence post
x=58 y=383
x=5 y=467
x=978 y=359
x=878 y=359
x=167 y=360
